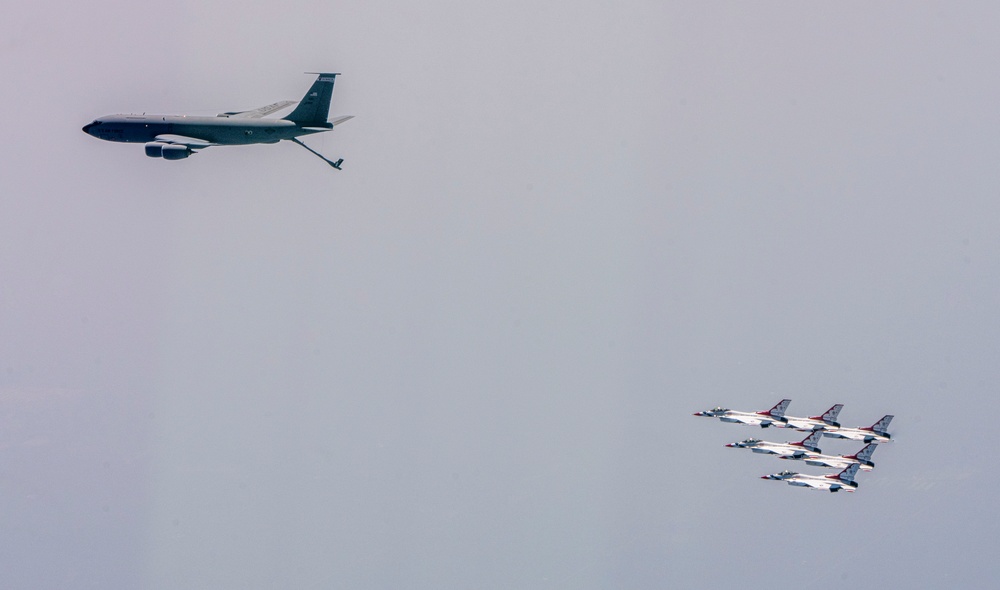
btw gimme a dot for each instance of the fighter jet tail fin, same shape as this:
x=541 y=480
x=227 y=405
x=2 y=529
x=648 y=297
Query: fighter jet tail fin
x=830 y=416
x=880 y=426
x=812 y=440
x=848 y=473
x=865 y=454
x=314 y=108
x=778 y=411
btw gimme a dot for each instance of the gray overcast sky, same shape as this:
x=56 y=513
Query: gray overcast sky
x=470 y=359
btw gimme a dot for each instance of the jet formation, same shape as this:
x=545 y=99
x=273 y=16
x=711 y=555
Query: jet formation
x=176 y=137
x=806 y=450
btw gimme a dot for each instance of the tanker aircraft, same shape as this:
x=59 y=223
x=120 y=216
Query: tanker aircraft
x=835 y=483
x=763 y=419
x=874 y=433
x=175 y=137
x=791 y=450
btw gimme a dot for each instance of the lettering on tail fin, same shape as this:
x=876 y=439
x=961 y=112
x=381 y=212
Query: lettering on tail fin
x=849 y=473
x=830 y=416
x=778 y=411
x=812 y=440
x=865 y=454
x=880 y=426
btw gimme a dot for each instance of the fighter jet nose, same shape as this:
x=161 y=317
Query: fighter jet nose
x=86 y=128
x=730 y=445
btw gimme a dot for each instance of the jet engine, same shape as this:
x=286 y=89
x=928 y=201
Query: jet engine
x=175 y=152
x=154 y=149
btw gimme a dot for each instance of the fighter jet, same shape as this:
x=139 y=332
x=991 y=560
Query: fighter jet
x=824 y=420
x=842 y=481
x=789 y=450
x=763 y=419
x=876 y=432
x=862 y=458
x=175 y=137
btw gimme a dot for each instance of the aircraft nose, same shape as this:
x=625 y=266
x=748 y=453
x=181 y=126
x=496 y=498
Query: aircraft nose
x=86 y=128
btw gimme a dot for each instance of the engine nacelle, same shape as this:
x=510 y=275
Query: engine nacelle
x=154 y=149
x=175 y=152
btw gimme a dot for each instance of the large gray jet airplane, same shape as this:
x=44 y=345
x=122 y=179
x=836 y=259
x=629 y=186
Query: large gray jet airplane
x=175 y=137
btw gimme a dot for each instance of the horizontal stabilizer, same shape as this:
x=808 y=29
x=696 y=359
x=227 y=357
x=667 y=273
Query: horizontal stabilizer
x=326 y=125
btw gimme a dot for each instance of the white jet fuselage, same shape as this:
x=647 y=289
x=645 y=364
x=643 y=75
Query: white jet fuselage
x=805 y=424
x=771 y=448
x=858 y=434
x=749 y=418
x=816 y=482
x=789 y=449
x=835 y=461
x=825 y=420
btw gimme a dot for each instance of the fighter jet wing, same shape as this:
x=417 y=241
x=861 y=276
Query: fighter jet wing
x=819 y=485
x=821 y=462
x=791 y=453
x=748 y=420
x=191 y=142
x=259 y=112
x=802 y=425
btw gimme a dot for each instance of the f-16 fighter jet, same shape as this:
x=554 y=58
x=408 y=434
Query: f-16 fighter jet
x=763 y=419
x=842 y=481
x=874 y=433
x=824 y=420
x=175 y=137
x=792 y=450
x=862 y=458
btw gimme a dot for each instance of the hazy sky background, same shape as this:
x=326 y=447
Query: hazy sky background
x=470 y=359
